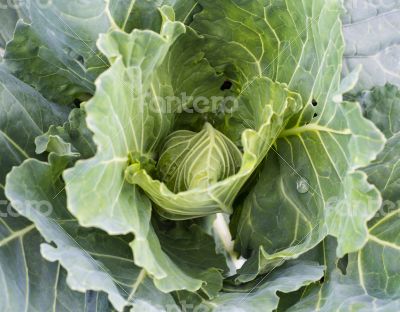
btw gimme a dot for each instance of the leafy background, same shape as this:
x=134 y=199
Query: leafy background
x=84 y=257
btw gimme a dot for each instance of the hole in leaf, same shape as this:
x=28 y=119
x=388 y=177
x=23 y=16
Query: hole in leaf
x=77 y=103
x=314 y=102
x=226 y=85
x=342 y=264
x=80 y=59
x=315 y=115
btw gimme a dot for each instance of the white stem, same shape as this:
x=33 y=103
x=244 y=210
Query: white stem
x=221 y=229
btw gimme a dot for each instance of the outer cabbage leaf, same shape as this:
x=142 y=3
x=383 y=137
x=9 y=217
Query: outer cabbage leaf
x=120 y=107
x=313 y=164
x=371 y=281
x=297 y=44
x=131 y=14
x=261 y=294
x=93 y=259
x=9 y=14
x=62 y=63
x=319 y=191
x=371 y=30
x=68 y=143
x=382 y=106
x=28 y=281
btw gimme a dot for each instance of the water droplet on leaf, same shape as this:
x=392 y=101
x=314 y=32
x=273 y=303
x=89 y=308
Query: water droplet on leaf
x=302 y=185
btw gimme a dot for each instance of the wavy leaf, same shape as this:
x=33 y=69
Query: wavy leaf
x=68 y=143
x=93 y=259
x=262 y=293
x=27 y=281
x=120 y=104
x=371 y=281
x=313 y=164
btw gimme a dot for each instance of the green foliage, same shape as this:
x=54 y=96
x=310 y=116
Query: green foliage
x=133 y=132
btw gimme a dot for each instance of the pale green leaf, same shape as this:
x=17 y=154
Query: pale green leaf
x=123 y=125
x=68 y=143
x=371 y=30
x=371 y=281
x=92 y=259
x=309 y=182
x=196 y=160
x=120 y=107
x=27 y=281
x=273 y=105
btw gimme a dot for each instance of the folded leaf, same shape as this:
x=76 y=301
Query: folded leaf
x=197 y=160
x=261 y=294
x=275 y=105
x=67 y=143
